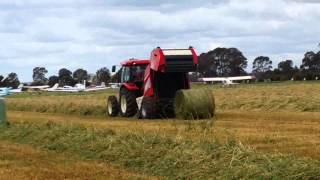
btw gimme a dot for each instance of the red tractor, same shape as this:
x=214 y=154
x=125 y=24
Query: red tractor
x=148 y=87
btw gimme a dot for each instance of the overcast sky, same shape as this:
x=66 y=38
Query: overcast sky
x=91 y=34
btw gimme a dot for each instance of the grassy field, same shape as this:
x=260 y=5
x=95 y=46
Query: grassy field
x=161 y=155
x=26 y=162
x=260 y=130
x=93 y=104
x=288 y=97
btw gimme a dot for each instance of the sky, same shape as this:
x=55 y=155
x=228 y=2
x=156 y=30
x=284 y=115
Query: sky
x=91 y=34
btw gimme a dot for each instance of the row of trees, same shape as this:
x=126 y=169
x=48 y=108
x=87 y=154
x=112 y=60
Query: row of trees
x=220 y=62
x=224 y=62
x=11 y=80
x=64 y=77
x=309 y=69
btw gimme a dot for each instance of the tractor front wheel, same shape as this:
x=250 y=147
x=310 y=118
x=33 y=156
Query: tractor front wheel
x=112 y=106
x=148 y=108
x=128 y=104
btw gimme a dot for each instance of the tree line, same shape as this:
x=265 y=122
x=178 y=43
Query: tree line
x=224 y=62
x=220 y=62
x=11 y=80
x=63 y=78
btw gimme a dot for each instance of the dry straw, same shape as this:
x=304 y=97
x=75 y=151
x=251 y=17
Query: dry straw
x=194 y=104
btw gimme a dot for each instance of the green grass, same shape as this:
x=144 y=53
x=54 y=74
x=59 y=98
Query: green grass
x=83 y=103
x=40 y=94
x=183 y=149
x=159 y=155
x=273 y=97
x=18 y=161
x=270 y=97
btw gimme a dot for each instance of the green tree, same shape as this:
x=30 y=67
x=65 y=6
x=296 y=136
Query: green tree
x=12 y=80
x=222 y=62
x=65 y=77
x=286 y=70
x=285 y=66
x=39 y=76
x=206 y=66
x=311 y=62
x=103 y=75
x=115 y=78
x=53 y=80
x=261 y=64
x=80 y=75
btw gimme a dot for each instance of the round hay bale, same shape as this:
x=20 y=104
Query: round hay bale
x=194 y=104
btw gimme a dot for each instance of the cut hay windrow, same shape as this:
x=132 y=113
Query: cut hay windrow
x=167 y=157
x=194 y=104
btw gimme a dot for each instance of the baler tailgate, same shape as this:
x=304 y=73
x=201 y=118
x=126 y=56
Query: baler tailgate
x=179 y=61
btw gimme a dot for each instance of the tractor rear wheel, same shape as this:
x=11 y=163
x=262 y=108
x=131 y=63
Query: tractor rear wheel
x=112 y=106
x=148 y=108
x=128 y=104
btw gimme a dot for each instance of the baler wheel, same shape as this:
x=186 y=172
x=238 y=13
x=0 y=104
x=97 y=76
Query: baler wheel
x=112 y=106
x=148 y=108
x=128 y=104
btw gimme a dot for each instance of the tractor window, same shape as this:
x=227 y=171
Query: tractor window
x=125 y=75
x=133 y=73
x=137 y=73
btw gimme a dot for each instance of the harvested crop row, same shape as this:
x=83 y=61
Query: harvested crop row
x=159 y=155
x=26 y=162
x=58 y=105
x=297 y=97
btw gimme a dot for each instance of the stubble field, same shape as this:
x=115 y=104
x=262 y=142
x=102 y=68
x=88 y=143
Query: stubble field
x=260 y=130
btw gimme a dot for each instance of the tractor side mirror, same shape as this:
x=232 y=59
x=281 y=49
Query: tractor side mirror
x=113 y=69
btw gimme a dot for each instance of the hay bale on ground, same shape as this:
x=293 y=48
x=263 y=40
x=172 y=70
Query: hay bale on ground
x=194 y=104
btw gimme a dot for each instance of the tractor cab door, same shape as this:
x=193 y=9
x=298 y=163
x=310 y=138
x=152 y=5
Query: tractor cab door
x=133 y=74
x=125 y=74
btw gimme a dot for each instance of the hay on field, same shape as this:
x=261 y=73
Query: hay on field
x=194 y=104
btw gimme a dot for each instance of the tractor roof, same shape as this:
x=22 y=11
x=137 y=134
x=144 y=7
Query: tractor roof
x=132 y=62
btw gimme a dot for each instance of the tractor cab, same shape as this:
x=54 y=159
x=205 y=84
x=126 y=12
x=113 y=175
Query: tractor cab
x=132 y=75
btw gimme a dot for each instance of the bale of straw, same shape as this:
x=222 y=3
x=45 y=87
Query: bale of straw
x=194 y=104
